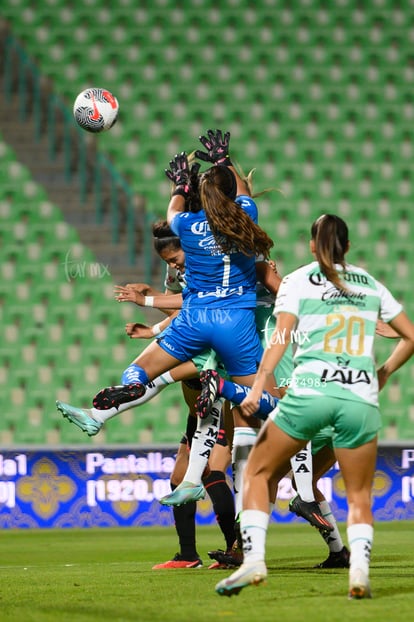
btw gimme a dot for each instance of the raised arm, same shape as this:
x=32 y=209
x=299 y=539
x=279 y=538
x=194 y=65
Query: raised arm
x=217 y=147
x=179 y=174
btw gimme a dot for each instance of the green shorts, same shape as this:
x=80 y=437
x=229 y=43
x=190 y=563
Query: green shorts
x=354 y=423
x=265 y=323
x=322 y=439
x=209 y=360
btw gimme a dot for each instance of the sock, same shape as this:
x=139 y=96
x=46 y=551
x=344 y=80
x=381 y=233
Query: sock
x=333 y=538
x=243 y=441
x=153 y=387
x=360 y=538
x=301 y=465
x=203 y=441
x=134 y=374
x=184 y=519
x=223 y=504
x=236 y=393
x=253 y=525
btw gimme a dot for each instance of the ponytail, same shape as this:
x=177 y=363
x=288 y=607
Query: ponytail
x=330 y=235
x=230 y=224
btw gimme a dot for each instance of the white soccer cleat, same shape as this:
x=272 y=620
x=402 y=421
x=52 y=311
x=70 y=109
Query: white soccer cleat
x=251 y=573
x=359 y=585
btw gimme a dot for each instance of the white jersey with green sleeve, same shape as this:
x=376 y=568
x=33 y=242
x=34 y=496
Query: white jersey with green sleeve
x=174 y=280
x=333 y=339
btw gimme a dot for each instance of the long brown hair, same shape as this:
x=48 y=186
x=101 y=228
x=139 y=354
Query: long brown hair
x=330 y=234
x=230 y=224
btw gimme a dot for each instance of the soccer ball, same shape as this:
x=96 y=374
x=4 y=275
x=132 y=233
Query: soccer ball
x=95 y=110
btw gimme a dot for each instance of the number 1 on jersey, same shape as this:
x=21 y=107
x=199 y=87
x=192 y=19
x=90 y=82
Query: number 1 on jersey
x=226 y=271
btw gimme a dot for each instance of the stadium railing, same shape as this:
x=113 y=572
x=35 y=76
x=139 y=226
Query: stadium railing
x=51 y=116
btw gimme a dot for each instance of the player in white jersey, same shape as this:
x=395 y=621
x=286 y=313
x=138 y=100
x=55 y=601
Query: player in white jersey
x=329 y=308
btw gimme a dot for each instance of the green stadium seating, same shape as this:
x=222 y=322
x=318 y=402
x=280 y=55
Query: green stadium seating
x=318 y=97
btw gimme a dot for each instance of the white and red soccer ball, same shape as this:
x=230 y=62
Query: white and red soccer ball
x=96 y=110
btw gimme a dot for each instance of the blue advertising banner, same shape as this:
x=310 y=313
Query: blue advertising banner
x=121 y=487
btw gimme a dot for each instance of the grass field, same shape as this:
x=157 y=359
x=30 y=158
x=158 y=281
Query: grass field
x=98 y=575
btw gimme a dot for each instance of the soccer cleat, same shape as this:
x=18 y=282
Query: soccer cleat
x=179 y=562
x=238 y=544
x=219 y=566
x=184 y=493
x=251 y=573
x=336 y=560
x=120 y=394
x=310 y=511
x=359 y=585
x=80 y=417
x=232 y=558
x=211 y=383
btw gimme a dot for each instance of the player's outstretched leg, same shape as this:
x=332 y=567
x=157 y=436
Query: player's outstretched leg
x=80 y=417
x=115 y=396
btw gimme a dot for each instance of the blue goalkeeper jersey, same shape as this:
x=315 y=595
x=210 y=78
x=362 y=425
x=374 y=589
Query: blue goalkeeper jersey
x=214 y=278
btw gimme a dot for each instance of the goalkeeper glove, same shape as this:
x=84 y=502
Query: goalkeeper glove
x=179 y=174
x=217 y=147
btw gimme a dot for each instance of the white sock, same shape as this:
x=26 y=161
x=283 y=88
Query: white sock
x=332 y=538
x=152 y=389
x=243 y=441
x=203 y=442
x=360 y=538
x=301 y=464
x=253 y=528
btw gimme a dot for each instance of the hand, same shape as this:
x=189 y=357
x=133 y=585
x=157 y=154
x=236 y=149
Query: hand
x=138 y=331
x=385 y=330
x=141 y=288
x=217 y=147
x=129 y=294
x=272 y=265
x=250 y=404
x=179 y=173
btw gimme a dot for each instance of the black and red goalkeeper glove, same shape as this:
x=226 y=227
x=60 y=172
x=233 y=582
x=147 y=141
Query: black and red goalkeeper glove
x=217 y=147
x=179 y=174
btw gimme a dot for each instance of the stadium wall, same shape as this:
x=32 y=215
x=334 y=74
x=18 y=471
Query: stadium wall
x=120 y=486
